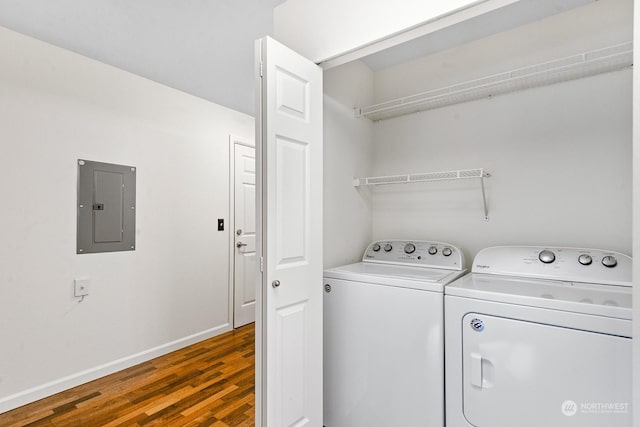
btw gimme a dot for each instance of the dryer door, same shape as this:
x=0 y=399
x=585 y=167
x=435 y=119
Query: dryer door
x=519 y=373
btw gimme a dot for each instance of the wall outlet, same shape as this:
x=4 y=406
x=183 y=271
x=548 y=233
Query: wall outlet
x=81 y=287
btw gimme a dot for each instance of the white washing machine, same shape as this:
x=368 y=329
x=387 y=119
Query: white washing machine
x=540 y=337
x=383 y=335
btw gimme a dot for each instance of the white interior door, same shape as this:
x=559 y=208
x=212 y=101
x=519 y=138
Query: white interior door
x=289 y=150
x=245 y=267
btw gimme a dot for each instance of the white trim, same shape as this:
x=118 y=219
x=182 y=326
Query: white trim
x=231 y=223
x=635 y=404
x=260 y=420
x=241 y=141
x=61 y=384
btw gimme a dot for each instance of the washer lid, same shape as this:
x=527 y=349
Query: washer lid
x=586 y=298
x=431 y=279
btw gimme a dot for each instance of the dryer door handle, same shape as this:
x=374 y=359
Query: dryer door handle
x=476 y=370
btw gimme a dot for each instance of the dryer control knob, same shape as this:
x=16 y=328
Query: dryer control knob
x=447 y=251
x=388 y=247
x=609 y=261
x=547 y=256
x=376 y=247
x=409 y=248
x=585 y=259
x=433 y=250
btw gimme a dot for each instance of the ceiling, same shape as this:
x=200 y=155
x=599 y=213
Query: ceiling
x=202 y=47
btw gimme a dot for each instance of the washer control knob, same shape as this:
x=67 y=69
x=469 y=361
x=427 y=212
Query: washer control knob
x=376 y=247
x=547 y=256
x=609 y=261
x=409 y=248
x=585 y=259
x=388 y=247
x=447 y=251
x=433 y=250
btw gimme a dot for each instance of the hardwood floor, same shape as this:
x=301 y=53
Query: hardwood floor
x=207 y=384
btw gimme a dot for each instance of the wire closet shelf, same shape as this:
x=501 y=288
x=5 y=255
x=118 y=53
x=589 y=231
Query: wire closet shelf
x=429 y=177
x=612 y=58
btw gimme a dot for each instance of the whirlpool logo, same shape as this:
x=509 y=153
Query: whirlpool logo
x=482 y=266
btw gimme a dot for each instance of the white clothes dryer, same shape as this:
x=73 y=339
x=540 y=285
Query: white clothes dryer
x=540 y=337
x=384 y=335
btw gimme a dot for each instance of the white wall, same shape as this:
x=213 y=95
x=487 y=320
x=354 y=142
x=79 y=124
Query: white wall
x=636 y=219
x=348 y=153
x=56 y=107
x=560 y=156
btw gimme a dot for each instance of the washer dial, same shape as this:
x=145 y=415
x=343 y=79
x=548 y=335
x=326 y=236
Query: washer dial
x=409 y=248
x=388 y=247
x=447 y=251
x=547 y=256
x=433 y=250
x=585 y=259
x=609 y=261
x=376 y=247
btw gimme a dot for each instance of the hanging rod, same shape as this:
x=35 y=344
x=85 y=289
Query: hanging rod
x=573 y=67
x=429 y=177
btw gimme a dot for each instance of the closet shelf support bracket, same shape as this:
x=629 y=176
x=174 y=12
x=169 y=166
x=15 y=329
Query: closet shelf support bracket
x=484 y=196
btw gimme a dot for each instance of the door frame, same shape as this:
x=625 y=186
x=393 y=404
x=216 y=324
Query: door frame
x=259 y=418
x=231 y=223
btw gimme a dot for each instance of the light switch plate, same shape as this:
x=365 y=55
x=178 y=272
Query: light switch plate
x=81 y=287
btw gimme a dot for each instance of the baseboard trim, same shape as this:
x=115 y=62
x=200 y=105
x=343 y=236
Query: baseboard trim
x=56 y=386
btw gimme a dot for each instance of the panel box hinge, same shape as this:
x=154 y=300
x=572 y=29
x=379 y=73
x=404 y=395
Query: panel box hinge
x=261 y=264
x=261 y=73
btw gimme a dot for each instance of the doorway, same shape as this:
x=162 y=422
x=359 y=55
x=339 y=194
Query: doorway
x=243 y=230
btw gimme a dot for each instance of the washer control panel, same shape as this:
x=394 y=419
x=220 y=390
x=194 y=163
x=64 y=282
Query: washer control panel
x=565 y=264
x=419 y=253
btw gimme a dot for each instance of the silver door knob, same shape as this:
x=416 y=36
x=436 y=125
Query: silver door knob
x=240 y=244
x=239 y=231
x=275 y=283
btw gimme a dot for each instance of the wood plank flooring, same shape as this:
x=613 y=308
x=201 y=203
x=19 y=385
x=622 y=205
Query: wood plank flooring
x=207 y=384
